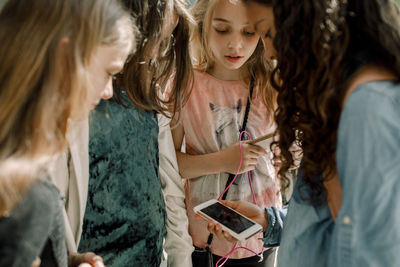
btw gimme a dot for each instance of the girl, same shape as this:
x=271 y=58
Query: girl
x=230 y=61
x=126 y=218
x=341 y=93
x=51 y=52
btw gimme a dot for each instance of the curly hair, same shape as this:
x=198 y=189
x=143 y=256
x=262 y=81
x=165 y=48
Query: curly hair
x=157 y=58
x=313 y=58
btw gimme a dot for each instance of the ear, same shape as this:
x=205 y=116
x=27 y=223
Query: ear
x=212 y=106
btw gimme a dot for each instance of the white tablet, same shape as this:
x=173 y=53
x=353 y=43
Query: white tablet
x=236 y=224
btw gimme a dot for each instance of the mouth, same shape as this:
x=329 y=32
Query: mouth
x=233 y=58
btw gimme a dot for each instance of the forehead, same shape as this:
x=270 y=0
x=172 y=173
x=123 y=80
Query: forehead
x=230 y=11
x=113 y=56
x=260 y=16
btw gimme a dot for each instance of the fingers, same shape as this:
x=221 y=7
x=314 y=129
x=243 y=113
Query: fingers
x=251 y=155
x=253 y=149
x=217 y=231
x=88 y=259
x=36 y=262
x=231 y=204
x=96 y=261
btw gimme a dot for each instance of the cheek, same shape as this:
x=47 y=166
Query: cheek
x=98 y=86
x=216 y=42
x=252 y=42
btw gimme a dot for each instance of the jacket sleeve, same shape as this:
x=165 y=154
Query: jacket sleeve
x=178 y=243
x=367 y=229
x=272 y=234
x=24 y=233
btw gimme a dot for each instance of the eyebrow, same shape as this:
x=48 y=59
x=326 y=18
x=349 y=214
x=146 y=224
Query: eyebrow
x=222 y=20
x=227 y=21
x=258 y=22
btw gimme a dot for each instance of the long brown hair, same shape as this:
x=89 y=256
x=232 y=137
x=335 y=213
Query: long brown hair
x=147 y=72
x=46 y=47
x=315 y=42
x=258 y=67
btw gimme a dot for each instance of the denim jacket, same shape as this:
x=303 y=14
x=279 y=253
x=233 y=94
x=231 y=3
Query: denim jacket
x=367 y=229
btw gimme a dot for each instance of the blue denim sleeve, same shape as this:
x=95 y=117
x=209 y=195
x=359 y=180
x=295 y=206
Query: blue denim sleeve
x=276 y=217
x=367 y=231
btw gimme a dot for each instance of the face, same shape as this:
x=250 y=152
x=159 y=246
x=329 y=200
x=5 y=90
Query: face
x=262 y=17
x=107 y=61
x=232 y=38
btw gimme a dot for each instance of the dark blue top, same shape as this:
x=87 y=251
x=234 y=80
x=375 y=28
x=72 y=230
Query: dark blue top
x=35 y=228
x=125 y=214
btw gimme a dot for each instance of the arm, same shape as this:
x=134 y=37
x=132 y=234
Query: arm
x=226 y=160
x=178 y=243
x=368 y=166
x=25 y=232
x=271 y=219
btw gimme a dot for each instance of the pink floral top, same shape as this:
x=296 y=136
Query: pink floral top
x=211 y=120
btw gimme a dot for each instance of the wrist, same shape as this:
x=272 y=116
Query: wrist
x=221 y=160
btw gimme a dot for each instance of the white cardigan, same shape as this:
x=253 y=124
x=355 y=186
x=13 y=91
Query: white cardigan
x=178 y=243
x=73 y=180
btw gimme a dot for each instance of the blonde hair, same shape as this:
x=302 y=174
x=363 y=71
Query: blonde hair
x=46 y=48
x=258 y=67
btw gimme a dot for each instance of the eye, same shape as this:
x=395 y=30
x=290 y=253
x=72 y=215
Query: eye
x=249 y=33
x=221 y=31
x=268 y=34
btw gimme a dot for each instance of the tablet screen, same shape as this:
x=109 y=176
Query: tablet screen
x=227 y=217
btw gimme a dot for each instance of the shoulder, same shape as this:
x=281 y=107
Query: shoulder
x=375 y=98
x=31 y=221
x=41 y=201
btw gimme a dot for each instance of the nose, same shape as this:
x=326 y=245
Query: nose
x=236 y=42
x=108 y=91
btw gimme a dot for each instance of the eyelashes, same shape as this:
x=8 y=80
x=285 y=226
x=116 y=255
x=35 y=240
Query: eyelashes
x=246 y=33
x=268 y=34
x=221 y=31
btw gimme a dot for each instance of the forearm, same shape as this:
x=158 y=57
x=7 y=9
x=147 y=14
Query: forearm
x=192 y=166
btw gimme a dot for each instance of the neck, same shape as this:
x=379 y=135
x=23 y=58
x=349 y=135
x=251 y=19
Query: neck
x=228 y=75
x=369 y=73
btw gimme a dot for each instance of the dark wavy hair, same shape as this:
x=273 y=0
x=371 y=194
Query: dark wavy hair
x=315 y=42
x=147 y=72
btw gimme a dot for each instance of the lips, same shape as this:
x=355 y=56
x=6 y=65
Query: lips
x=233 y=58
